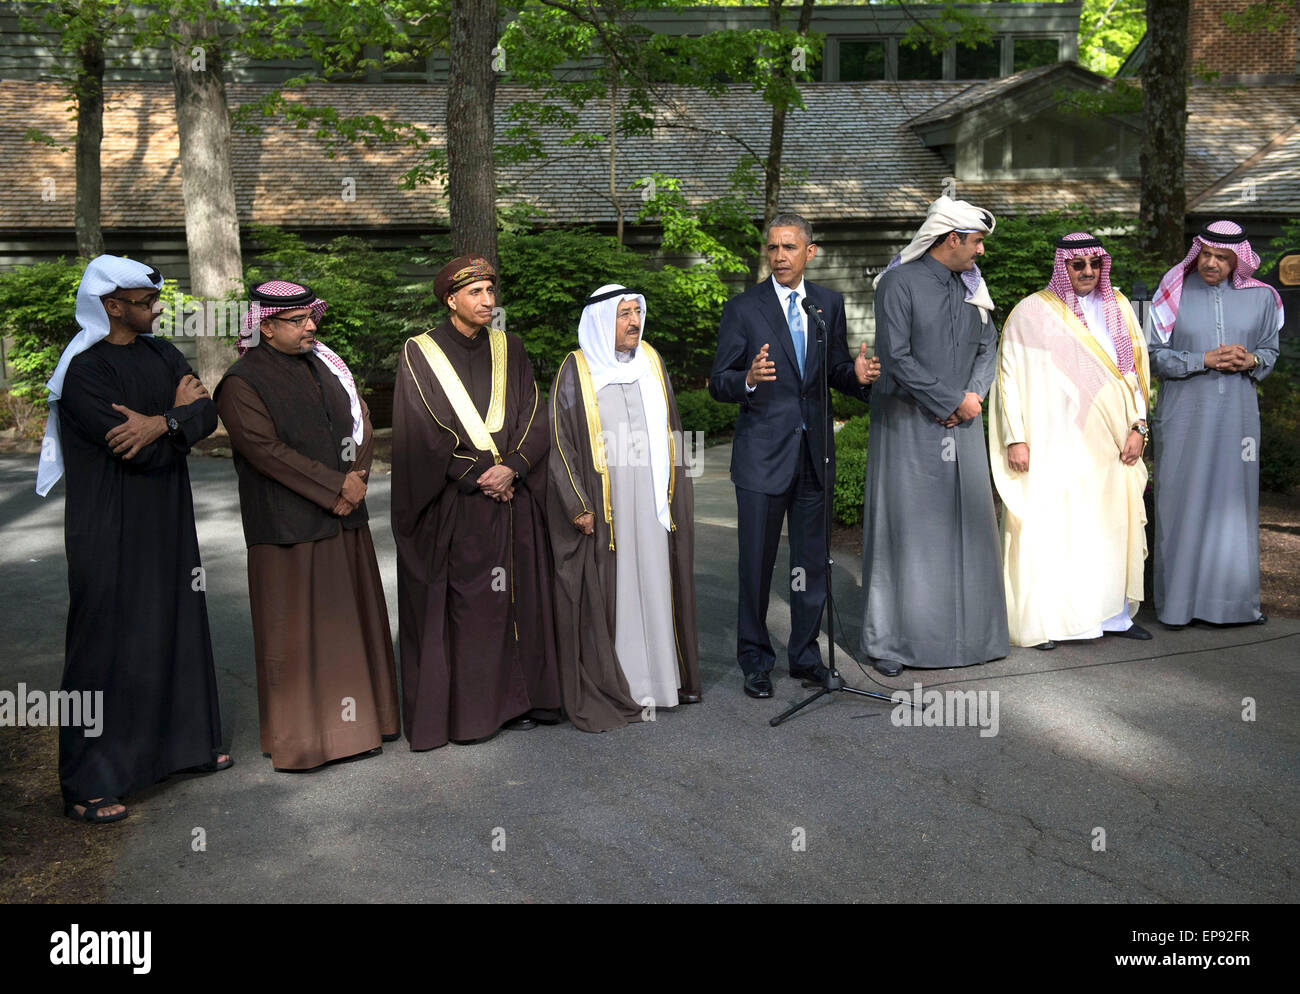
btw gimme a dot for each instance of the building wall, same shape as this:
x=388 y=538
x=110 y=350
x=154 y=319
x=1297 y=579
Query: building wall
x=1214 y=46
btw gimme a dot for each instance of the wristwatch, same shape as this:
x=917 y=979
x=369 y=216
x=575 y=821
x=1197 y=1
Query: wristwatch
x=1255 y=356
x=173 y=426
x=1142 y=430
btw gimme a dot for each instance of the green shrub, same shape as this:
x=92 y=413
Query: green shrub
x=1279 y=443
x=850 y=470
x=845 y=407
x=38 y=308
x=1019 y=253
x=367 y=322
x=700 y=412
x=546 y=274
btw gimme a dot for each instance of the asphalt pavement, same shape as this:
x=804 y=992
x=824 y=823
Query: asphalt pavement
x=1119 y=771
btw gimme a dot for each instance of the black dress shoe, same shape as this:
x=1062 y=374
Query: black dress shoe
x=521 y=724
x=546 y=716
x=758 y=685
x=1047 y=646
x=817 y=673
x=1135 y=632
x=688 y=698
x=887 y=667
x=1172 y=628
x=1261 y=620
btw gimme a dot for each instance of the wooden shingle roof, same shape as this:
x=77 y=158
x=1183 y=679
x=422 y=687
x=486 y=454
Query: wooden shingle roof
x=854 y=147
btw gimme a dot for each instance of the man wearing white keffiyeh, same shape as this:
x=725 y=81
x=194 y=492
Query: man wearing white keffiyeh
x=931 y=569
x=125 y=408
x=620 y=522
x=326 y=679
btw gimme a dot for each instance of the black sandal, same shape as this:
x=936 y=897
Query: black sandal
x=91 y=814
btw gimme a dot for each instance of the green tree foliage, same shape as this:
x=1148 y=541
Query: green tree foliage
x=1019 y=254
x=367 y=321
x=1109 y=30
x=1287 y=241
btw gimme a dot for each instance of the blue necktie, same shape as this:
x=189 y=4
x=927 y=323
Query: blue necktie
x=792 y=318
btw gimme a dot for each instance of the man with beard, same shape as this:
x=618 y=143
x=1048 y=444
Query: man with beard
x=931 y=567
x=1067 y=425
x=470 y=439
x=125 y=408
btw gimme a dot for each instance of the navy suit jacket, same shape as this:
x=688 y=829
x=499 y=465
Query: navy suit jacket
x=765 y=454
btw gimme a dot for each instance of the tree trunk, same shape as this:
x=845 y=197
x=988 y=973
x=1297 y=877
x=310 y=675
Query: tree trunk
x=471 y=92
x=1164 y=141
x=207 y=182
x=613 y=152
x=89 y=91
x=776 y=136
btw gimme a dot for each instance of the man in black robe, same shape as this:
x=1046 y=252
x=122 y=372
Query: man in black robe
x=470 y=441
x=125 y=408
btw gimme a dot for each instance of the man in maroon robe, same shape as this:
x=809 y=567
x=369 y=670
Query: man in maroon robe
x=326 y=679
x=470 y=443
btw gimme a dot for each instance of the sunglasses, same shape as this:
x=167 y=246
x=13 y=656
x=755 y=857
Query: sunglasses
x=148 y=301
x=1079 y=265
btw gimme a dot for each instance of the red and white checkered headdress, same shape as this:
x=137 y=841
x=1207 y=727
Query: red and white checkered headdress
x=1081 y=245
x=1217 y=234
x=274 y=296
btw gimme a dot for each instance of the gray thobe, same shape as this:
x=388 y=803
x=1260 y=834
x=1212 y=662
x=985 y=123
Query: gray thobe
x=1206 y=431
x=932 y=564
x=643 y=625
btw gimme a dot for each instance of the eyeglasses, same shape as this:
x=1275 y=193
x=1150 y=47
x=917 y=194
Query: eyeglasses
x=1079 y=265
x=148 y=301
x=296 y=321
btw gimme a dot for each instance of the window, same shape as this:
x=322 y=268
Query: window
x=991 y=152
x=861 y=60
x=1033 y=52
x=1059 y=141
x=981 y=62
x=1035 y=146
x=919 y=63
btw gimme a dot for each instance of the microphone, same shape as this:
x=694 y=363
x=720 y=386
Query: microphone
x=815 y=313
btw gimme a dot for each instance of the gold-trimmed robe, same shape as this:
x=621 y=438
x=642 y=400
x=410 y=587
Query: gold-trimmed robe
x=477 y=634
x=596 y=695
x=1073 y=526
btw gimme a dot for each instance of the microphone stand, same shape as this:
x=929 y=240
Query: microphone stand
x=833 y=682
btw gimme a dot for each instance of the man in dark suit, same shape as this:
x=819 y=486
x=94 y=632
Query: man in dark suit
x=768 y=362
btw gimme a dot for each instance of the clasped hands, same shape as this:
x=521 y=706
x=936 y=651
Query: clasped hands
x=498 y=483
x=763 y=370
x=1229 y=359
x=969 y=409
x=138 y=430
x=353 y=493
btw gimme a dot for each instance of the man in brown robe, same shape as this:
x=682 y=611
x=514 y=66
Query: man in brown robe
x=470 y=439
x=326 y=679
x=620 y=515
